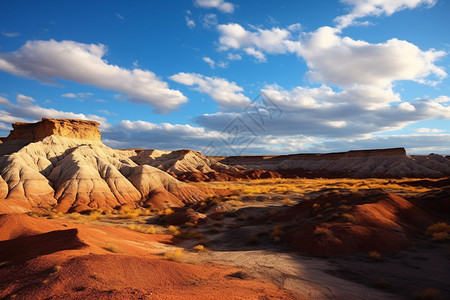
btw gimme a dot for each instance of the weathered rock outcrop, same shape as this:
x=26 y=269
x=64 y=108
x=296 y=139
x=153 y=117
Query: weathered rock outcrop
x=77 y=129
x=381 y=163
x=77 y=174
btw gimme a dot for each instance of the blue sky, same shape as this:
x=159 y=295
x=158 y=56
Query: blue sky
x=229 y=77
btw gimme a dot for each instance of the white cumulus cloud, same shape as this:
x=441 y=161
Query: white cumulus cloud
x=364 y=8
x=344 y=61
x=226 y=94
x=84 y=63
x=272 y=41
x=221 y=5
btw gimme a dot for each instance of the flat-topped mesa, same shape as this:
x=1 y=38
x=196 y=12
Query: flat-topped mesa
x=70 y=128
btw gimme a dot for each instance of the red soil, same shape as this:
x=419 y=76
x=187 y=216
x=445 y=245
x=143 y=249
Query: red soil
x=57 y=259
x=370 y=221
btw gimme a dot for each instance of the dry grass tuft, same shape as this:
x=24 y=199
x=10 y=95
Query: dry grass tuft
x=375 y=255
x=199 y=248
x=287 y=201
x=174 y=255
x=143 y=229
x=322 y=231
x=56 y=269
x=128 y=213
x=349 y=218
x=94 y=215
x=166 y=212
x=439 y=232
x=112 y=248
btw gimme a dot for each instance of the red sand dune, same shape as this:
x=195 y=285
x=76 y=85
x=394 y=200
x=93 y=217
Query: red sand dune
x=59 y=260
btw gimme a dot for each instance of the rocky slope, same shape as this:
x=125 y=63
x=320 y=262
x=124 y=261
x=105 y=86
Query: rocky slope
x=189 y=165
x=71 y=170
x=381 y=163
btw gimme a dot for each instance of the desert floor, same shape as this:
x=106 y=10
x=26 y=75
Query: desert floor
x=247 y=243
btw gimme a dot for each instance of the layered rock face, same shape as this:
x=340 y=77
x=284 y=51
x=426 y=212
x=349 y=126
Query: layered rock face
x=71 y=170
x=381 y=163
x=76 y=129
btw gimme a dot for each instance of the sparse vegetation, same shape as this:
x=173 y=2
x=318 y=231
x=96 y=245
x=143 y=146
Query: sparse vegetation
x=75 y=216
x=428 y=294
x=189 y=234
x=112 y=248
x=94 y=215
x=143 y=229
x=199 y=248
x=323 y=231
x=4 y=263
x=439 y=232
x=174 y=255
x=349 y=218
x=375 y=255
x=56 y=268
x=166 y=212
x=128 y=213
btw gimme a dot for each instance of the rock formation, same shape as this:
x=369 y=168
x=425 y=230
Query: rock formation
x=380 y=163
x=62 y=164
x=76 y=129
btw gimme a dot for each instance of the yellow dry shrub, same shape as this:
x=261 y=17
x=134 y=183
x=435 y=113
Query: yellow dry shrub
x=375 y=255
x=142 y=228
x=199 y=248
x=174 y=255
x=128 y=213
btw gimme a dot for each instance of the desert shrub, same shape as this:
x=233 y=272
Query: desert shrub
x=375 y=255
x=174 y=230
x=128 y=213
x=344 y=207
x=440 y=236
x=277 y=230
x=56 y=269
x=189 y=234
x=439 y=232
x=166 y=212
x=55 y=215
x=348 y=217
x=75 y=216
x=428 y=294
x=174 y=255
x=199 y=248
x=94 y=215
x=143 y=229
x=438 y=227
x=286 y=201
x=112 y=248
x=322 y=231
x=5 y=263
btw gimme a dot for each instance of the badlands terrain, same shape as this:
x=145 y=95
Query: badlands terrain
x=79 y=220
